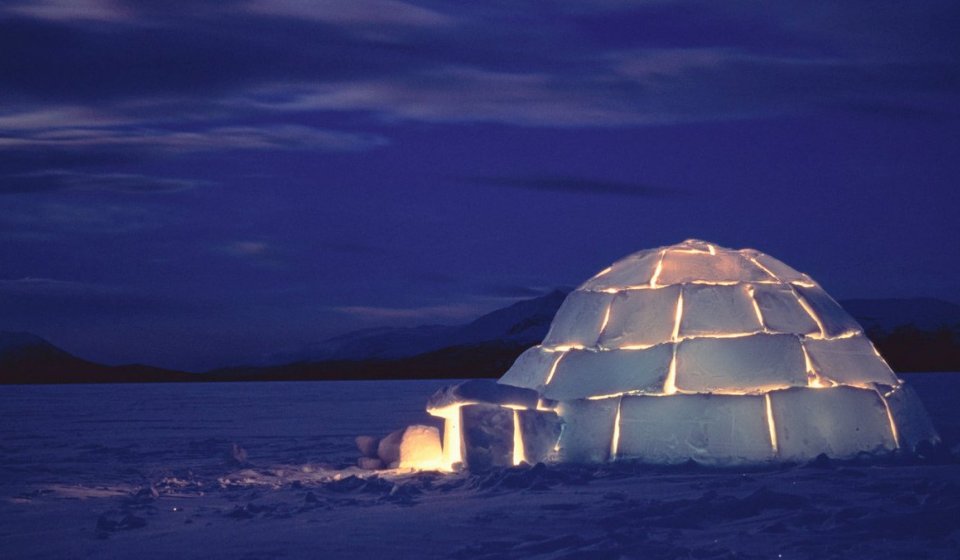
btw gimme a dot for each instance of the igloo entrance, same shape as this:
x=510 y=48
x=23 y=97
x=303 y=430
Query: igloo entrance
x=688 y=352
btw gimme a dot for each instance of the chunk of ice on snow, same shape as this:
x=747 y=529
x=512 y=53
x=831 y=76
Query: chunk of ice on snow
x=579 y=319
x=367 y=445
x=710 y=429
x=838 y=421
x=750 y=363
x=781 y=310
x=909 y=415
x=641 y=317
x=587 y=432
x=388 y=450
x=420 y=448
x=851 y=361
x=717 y=309
x=585 y=373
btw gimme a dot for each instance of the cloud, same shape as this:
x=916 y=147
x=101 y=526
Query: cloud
x=248 y=248
x=222 y=139
x=576 y=185
x=460 y=94
x=611 y=65
x=69 y=10
x=352 y=12
x=56 y=181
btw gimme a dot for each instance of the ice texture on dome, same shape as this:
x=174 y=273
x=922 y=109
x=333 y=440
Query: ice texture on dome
x=695 y=351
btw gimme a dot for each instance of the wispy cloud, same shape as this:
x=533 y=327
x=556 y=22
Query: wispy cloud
x=248 y=248
x=62 y=180
x=69 y=10
x=290 y=57
x=352 y=12
x=231 y=138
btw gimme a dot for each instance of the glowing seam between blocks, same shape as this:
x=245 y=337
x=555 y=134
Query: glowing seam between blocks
x=893 y=425
x=771 y=426
x=615 y=441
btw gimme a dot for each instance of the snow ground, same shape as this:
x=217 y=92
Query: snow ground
x=257 y=470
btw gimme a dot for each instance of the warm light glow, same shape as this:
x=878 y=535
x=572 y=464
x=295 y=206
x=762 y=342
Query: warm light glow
x=756 y=307
x=814 y=380
x=514 y=407
x=712 y=249
x=608 y=396
x=670 y=384
x=553 y=368
x=847 y=334
x=606 y=318
x=638 y=287
x=542 y=406
x=691 y=251
x=635 y=347
x=518 y=455
x=770 y=425
x=658 y=270
x=452 y=443
x=604 y=271
x=676 y=319
x=717 y=335
x=765 y=269
x=893 y=425
x=615 y=442
x=806 y=307
x=420 y=449
x=564 y=347
x=714 y=282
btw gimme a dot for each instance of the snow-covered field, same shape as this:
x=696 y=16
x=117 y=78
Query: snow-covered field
x=257 y=470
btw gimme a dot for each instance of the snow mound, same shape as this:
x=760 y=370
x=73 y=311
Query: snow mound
x=689 y=352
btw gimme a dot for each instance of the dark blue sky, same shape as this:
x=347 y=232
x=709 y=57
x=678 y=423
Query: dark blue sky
x=216 y=182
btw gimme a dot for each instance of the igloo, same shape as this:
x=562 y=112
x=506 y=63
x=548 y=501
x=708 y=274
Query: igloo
x=688 y=352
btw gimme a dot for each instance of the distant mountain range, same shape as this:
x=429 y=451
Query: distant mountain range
x=918 y=334
x=524 y=323
x=27 y=358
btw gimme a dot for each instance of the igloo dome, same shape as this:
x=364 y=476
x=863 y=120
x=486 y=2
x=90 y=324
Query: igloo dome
x=689 y=352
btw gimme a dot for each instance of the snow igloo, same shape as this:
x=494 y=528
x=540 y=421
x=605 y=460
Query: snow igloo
x=688 y=352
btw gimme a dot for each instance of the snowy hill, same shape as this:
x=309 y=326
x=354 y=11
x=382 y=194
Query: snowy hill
x=524 y=322
x=27 y=358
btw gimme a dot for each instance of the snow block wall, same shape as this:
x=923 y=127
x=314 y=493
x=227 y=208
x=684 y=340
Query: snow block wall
x=692 y=352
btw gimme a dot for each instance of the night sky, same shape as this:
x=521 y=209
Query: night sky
x=217 y=182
